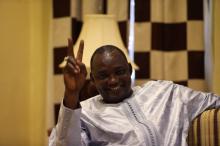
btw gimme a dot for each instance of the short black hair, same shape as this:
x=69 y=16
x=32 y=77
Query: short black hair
x=106 y=49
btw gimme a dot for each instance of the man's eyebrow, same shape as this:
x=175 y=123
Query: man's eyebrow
x=120 y=67
x=100 y=71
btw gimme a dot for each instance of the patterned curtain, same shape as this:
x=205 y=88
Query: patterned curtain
x=169 y=37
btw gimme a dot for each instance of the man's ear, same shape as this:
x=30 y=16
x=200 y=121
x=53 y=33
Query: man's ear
x=130 y=68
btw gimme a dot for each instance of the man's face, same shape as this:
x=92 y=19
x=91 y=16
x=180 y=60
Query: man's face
x=111 y=75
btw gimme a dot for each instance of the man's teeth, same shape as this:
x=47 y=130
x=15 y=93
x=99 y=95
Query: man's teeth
x=115 y=88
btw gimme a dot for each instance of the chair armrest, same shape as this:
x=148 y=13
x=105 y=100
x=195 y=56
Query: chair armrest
x=205 y=129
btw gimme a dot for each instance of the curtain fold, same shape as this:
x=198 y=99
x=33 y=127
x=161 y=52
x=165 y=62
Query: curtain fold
x=216 y=47
x=208 y=37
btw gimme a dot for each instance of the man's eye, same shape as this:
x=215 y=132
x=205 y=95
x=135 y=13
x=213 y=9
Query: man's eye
x=102 y=76
x=121 y=72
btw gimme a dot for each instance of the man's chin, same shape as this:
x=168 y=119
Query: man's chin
x=114 y=99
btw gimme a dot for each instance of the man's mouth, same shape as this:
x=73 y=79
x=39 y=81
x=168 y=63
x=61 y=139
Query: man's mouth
x=114 y=89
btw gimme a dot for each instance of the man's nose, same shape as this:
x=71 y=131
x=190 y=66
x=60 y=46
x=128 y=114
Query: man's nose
x=113 y=80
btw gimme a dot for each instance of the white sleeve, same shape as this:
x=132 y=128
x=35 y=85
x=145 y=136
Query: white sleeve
x=68 y=129
x=197 y=101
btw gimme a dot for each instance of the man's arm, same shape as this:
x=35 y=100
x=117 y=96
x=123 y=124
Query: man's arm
x=68 y=129
x=197 y=101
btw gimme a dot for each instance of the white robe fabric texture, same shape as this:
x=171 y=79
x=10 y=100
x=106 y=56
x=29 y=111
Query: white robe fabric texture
x=157 y=114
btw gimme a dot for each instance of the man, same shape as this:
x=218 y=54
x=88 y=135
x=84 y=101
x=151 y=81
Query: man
x=156 y=114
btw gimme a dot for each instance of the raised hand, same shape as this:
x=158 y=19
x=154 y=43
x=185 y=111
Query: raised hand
x=74 y=75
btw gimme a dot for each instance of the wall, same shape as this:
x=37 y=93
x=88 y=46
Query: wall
x=24 y=31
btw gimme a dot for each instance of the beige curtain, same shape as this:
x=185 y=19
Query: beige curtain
x=216 y=47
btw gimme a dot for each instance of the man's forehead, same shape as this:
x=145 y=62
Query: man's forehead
x=109 y=54
x=113 y=58
x=112 y=53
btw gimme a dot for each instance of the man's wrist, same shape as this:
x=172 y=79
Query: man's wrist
x=71 y=100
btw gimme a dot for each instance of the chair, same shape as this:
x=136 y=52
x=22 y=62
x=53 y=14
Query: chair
x=205 y=129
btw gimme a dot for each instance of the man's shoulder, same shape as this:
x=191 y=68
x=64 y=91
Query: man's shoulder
x=91 y=102
x=158 y=82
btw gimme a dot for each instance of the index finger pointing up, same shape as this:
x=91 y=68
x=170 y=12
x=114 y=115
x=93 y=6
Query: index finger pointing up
x=80 y=51
x=70 y=51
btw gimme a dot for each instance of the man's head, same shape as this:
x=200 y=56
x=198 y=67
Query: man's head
x=111 y=74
